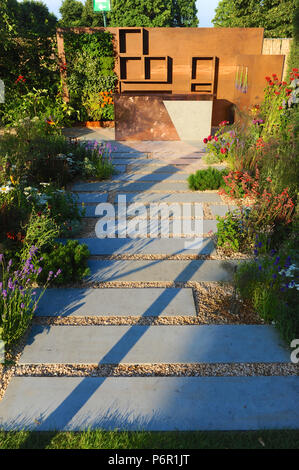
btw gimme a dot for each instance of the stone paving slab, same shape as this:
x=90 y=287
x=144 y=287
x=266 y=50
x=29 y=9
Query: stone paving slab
x=136 y=161
x=123 y=187
x=208 y=225
x=120 y=168
x=222 y=210
x=130 y=154
x=141 y=229
x=161 y=270
x=150 y=403
x=190 y=197
x=158 y=168
x=132 y=178
x=152 y=176
x=159 y=344
x=91 y=197
x=154 y=246
x=117 y=302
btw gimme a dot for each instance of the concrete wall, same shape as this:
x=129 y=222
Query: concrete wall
x=278 y=47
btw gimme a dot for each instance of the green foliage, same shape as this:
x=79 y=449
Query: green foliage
x=71 y=13
x=18 y=299
x=268 y=282
x=231 y=231
x=272 y=15
x=184 y=13
x=36 y=103
x=14 y=212
x=34 y=157
x=206 y=179
x=41 y=232
x=70 y=258
x=293 y=60
x=90 y=70
x=26 y=37
x=155 y=13
x=150 y=13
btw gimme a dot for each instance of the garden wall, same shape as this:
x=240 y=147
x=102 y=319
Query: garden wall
x=225 y=66
x=278 y=46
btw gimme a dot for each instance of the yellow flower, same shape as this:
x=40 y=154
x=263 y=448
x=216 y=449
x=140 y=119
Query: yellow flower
x=13 y=180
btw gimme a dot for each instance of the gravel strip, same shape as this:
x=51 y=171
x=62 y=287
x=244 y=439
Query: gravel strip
x=12 y=356
x=158 y=370
x=215 y=304
x=214 y=256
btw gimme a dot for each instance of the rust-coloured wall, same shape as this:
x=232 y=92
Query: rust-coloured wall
x=194 y=61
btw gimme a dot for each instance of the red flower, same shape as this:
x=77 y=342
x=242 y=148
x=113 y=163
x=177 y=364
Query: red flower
x=210 y=138
x=20 y=79
x=223 y=150
x=268 y=79
x=295 y=70
x=205 y=141
x=280 y=107
x=277 y=92
x=216 y=138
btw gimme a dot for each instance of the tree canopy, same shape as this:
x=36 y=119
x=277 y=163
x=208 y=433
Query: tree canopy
x=150 y=13
x=275 y=16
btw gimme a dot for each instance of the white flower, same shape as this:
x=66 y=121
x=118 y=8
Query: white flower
x=6 y=189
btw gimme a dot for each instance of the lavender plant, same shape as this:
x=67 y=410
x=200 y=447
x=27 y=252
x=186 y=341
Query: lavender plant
x=18 y=298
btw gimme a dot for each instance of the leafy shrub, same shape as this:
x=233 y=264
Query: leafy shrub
x=33 y=157
x=61 y=206
x=206 y=179
x=232 y=230
x=269 y=282
x=70 y=259
x=41 y=231
x=90 y=71
x=14 y=211
x=18 y=299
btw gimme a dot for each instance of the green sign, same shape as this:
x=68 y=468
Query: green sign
x=101 y=5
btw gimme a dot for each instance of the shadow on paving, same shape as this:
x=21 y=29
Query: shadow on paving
x=70 y=406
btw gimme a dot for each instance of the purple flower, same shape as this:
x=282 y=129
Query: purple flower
x=50 y=275
x=4 y=293
x=1 y=258
x=9 y=265
x=22 y=306
x=57 y=274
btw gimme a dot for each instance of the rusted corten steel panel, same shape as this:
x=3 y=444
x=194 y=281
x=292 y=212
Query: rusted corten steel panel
x=189 y=61
x=181 y=60
x=144 y=117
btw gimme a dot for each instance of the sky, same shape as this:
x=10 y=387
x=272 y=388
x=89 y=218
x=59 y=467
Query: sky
x=205 y=9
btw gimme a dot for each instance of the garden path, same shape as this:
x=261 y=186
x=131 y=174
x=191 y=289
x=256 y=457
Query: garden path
x=134 y=347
